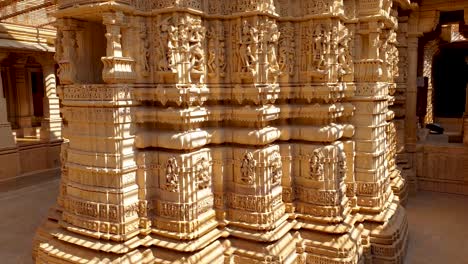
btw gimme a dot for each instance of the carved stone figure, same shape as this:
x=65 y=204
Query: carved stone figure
x=172 y=175
x=344 y=58
x=248 y=169
x=316 y=163
x=197 y=56
x=248 y=40
x=145 y=49
x=272 y=37
x=320 y=48
x=286 y=52
x=222 y=59
x=342 y=168
x=212 y=58
x=276 y=169
x=165 y=49
x=202 y=174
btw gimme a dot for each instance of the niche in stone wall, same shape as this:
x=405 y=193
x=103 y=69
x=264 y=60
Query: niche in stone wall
x=450 y=72
x=91 y=42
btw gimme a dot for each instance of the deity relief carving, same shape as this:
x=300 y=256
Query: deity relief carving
x=165 y=51
x=248 y=169
x=202 y=174
x=211 y=63
x=276 y=168
x=344 y=57
x=172 y=175
x=145 y=52
x=320 y=47
x=287 y=47
x=216 y=61
x=272 y=38
x=342 y=168
x=195 y=34
x=316 y=165
x=248 y=41
x=316 y=41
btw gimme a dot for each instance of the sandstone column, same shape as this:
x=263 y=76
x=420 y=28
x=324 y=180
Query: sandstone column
x=411 y=98
x=6 y=136
x=9 y=156
x=24 y=99
x=51 y=129
x=411 y=93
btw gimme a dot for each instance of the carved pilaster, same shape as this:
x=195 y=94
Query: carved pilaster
x=66 y=55
x=117 y=68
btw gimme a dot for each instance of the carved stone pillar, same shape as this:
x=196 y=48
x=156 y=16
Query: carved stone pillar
x=6 y=136
x=430 y=49
x=51 y=127
x=411 y=93
x=9 y=156
x=24 y=99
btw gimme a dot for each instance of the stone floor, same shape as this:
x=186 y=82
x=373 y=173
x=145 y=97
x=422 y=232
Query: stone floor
x=438 y=226
x=438 y=222
x=23 y=205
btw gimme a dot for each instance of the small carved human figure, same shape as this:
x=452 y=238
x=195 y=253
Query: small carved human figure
x=222 y=59
x=342 y=168
x=319 y=48
x=344 y=58
x=202 y=174
x=211 y=62
x=172 y=175
x=248 y=39
x=248 y=169
x=286 y=51
x=171 y=45
x=145 y=49
x=276 y=169
x=273 y=36
x=197 y=57
x=167 y=43
x=316 y=161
